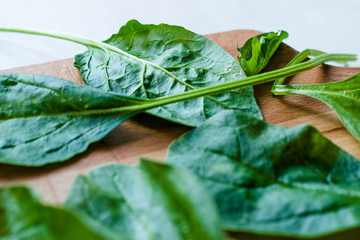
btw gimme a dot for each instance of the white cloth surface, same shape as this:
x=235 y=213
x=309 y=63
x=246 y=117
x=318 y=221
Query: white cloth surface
x=328 y=25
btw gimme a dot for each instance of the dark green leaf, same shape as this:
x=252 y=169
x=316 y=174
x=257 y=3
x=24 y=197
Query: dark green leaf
x=45 y=119
x=257 y=51
x=23 y=217
x=272 y=180
x=343 y=97
x=164 y=60
x=147 y=201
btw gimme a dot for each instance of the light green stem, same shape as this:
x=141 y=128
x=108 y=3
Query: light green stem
x=195 y=93
x=224 y=87
x=245 y=82
x=298 y=59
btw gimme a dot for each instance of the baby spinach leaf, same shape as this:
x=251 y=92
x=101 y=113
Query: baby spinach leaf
x=45 y=119
x=23 y=217
x=257 y=51
x=343 y=97
x=272 y=180
x=164 y=60
x=146 y=201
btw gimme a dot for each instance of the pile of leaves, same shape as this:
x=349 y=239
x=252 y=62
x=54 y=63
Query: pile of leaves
x=233 y=172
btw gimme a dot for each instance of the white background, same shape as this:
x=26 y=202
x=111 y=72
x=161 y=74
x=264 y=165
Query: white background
x=328 y=25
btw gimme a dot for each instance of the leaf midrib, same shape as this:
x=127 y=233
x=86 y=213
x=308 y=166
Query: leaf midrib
x=134 y=211
x=77 y=111
x=315 y=92
x=144 y=62
x=308 y=213
x=266 y=177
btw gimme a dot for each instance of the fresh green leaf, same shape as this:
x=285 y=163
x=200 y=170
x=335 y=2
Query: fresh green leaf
x=272 y=180
x=23 y=217
x=45 y=119
x=343 y=97
x=147 y=201
x=257 y=51
x=163 y=60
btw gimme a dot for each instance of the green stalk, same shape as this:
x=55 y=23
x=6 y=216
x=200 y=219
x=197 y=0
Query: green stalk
x=90 y=43
x=244 y=82
x=298 y=59
x=224 y=87
x=195 y=93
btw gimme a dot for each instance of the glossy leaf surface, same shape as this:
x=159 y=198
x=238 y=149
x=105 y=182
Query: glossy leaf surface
x=164 y=60
x=343 y=97
x=23 y=217
x=257 y=51
x=45 y=119
x=147 y=201
x=272 y=180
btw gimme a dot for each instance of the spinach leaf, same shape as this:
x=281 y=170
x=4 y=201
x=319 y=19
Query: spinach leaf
x=45 y=119
x=272 y=180
x=164 y=60
x=257 y=51
x=343 y=97
x=146 y=201
x=23 y=217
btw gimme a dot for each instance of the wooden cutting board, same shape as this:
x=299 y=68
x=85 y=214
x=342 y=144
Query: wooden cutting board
x=148 y=136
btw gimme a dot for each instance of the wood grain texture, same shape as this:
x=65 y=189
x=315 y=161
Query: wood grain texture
x=148 y=136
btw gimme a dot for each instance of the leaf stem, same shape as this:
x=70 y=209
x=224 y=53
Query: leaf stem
x=293 y=68
x=89 y=43
x=298 y=59
x=72 y=38
x=96 y=44
x=244 y=82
